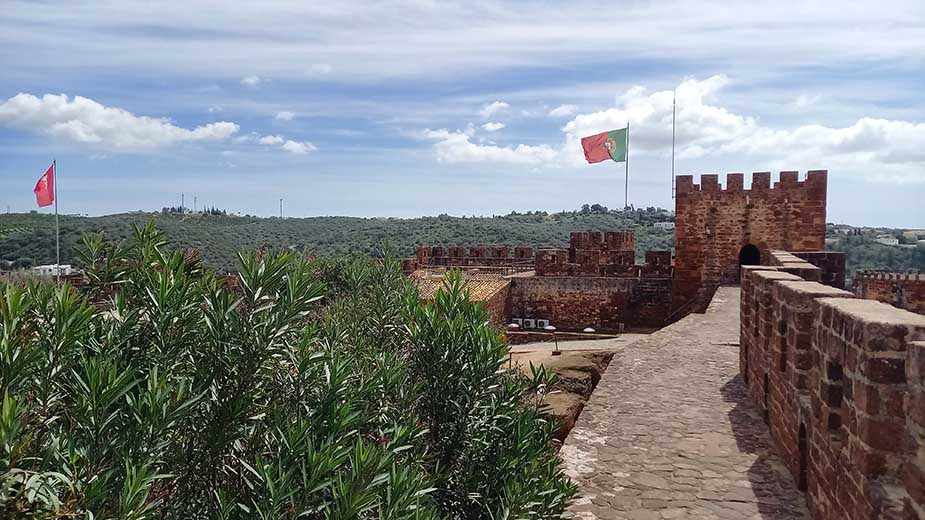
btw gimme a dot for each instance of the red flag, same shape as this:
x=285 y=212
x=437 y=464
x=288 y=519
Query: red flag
x=45 y=188
x=594 y=148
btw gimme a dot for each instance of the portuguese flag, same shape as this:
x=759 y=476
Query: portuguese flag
x=604 y=146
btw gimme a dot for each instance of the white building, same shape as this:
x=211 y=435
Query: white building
x=664 y=225
x=51 y=270
x=887 y=240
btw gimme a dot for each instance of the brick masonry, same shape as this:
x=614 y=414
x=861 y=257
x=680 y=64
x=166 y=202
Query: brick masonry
x=903 y=290
x=607 y=304
x=840 y=381
x=713 y=225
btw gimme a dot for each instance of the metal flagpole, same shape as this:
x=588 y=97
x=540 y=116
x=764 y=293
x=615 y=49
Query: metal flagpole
x=674 y=101
x=626 y=167
x=54 y=165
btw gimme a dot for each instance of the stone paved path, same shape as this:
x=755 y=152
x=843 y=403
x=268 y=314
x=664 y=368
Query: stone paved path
x=669 y=432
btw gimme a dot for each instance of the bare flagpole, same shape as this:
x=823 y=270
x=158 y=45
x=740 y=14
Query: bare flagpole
x=54 y=164
x=626 y=167
x=674 y=101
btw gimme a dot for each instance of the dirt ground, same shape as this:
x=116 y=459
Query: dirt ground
x=578 y=371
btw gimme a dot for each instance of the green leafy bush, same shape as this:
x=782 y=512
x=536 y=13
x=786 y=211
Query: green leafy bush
x=297 y=389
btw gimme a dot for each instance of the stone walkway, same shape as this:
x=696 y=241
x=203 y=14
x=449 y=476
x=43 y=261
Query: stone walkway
x=669 y=432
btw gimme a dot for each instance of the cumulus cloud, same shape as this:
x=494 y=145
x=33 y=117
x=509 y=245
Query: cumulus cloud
x=285 y=115
x=875 y=148
x=270 y=139
x=563 y=111
x=493 y=108
x=298 y=147
x=84 y=120
x=881 y=149
x=253 y=81
x=456 y=147
x=492 y=126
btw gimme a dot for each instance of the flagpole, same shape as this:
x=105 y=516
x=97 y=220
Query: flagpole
x=626 y=167
x=54 y=164
x=674 y=101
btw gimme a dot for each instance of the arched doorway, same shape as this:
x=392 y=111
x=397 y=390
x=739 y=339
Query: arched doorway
x=749 y=255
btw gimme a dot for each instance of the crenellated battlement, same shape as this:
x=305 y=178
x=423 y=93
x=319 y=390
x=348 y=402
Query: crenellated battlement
x=840 y=383
x=903 y=290
x=761 y=181
x=909 y=276
x=719 y=228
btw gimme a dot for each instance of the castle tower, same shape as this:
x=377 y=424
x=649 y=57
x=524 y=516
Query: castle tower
x=717 y=229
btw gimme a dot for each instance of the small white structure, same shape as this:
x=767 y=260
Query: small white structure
x=664 y=225
x=51 y=270
x=887 y=240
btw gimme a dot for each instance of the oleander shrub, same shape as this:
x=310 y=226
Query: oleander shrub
x=294 y=389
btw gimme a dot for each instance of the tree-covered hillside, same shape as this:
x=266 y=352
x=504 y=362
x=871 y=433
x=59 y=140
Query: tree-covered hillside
x=29 y=239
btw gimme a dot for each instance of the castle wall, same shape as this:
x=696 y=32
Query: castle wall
x=841 y=383
x=499 y=306
x=903 y=290
x=831 y=265
x=712 y=225
x=607 y=304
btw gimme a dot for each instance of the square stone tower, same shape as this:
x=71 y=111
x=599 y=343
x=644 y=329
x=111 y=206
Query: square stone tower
x=717 y=229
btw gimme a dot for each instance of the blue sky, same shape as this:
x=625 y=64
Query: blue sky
x=471 y=108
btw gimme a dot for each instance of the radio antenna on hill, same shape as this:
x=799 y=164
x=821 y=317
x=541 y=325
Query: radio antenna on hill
x=280 y=207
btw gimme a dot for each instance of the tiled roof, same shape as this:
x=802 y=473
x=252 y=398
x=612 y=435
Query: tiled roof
x=482 y=286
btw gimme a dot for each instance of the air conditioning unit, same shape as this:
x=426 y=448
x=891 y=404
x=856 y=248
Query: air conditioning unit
x=517 y=321
x=542 y=324
x=529 y=323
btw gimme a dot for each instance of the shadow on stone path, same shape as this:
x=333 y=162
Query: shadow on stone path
x=669 y=432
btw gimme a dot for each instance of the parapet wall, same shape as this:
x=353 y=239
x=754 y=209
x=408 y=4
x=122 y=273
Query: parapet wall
x=609 y=254
x=473 y=256
x=903 y=290
x=716 y=226
x=840 y=381
x=606 y=304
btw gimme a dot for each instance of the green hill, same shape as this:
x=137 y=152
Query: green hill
x=30 y=238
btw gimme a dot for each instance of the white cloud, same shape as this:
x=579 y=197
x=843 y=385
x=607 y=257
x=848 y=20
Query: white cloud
x=455 y=147
x=493 y=108
x=492 y=126
x=872 y=148
x=563 y=111
x=285 y=115
x=298 y=147
x=875 y=148
x=253 y=81
x=270 y=139
x=84 y=120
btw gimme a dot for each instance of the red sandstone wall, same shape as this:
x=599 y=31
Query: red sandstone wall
x=499 y=306
x=713 y=224
x=903 y=290
x=603 y=303
x=831 y=265
x=842 y=383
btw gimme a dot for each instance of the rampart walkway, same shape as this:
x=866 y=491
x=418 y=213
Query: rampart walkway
x=669 y=432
